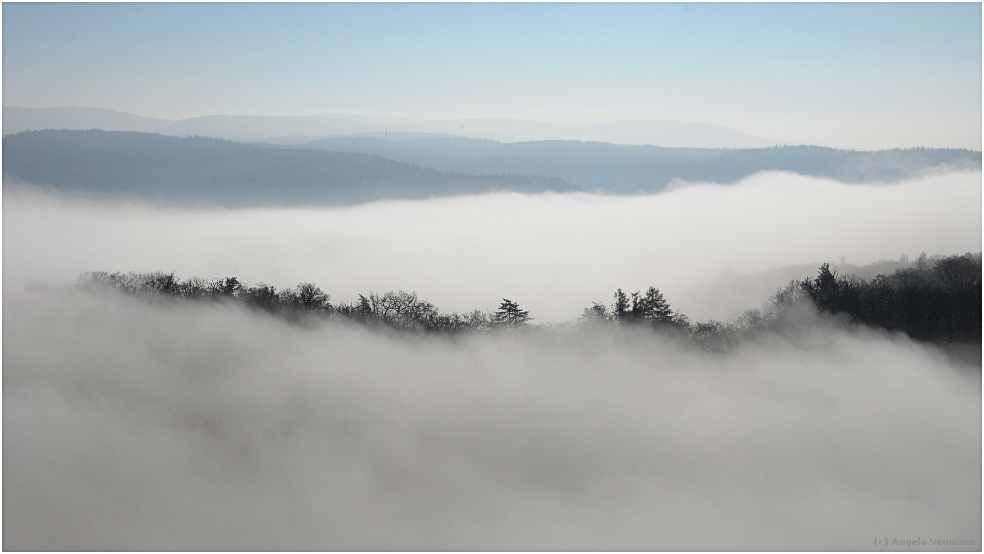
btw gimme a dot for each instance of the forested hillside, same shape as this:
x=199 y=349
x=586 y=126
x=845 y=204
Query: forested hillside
x=212 y=171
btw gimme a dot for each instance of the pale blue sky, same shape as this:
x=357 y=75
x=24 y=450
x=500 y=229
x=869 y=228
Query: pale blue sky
x=855 y=75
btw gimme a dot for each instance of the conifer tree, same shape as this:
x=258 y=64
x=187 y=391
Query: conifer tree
x=509 y=314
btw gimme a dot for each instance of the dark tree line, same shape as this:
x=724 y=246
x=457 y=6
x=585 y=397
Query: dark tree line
x=400 y=310
x=938 y=300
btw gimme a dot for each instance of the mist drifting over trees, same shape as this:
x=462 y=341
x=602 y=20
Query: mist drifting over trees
x=553 y=253
x=212 y=425
x=492 y=277
x=493 y=371
x=938 y=300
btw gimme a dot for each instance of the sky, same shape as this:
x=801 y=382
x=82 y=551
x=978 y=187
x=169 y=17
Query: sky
x=847 y=75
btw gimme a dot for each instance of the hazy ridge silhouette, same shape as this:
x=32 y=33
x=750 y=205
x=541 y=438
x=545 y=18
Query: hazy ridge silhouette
x=270 y=127
x=214 y=171
x=640 y=168
x=346 y=170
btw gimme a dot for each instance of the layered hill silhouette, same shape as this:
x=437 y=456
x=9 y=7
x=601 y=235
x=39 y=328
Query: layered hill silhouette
x=212 y=171
x=251 y=128
x=353 y=169
x=632 y=168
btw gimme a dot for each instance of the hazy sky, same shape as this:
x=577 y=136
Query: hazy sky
x=853 y=75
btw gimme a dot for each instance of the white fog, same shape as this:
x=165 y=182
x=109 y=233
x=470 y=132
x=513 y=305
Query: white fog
x=492 y=276
x=136 y=424
x=552 y=253
x=133 y=425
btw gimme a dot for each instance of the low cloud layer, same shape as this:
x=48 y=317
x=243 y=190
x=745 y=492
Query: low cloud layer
x=130 y=424
x=134 y=425
x=552 y=253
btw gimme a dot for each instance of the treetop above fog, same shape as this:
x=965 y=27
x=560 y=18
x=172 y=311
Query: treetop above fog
x=937 y=300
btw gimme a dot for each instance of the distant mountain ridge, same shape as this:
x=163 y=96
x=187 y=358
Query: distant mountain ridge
x=16 y=120
x=260 y=128
x=634 y=168
x=208 y=171
x=345 y=170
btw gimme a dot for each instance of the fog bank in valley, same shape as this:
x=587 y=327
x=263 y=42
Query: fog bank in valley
x=552 y=253
x=130 y=424
x=145 y=424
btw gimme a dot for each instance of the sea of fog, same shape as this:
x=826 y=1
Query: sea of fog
x=135 y=424
x=713 y=250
